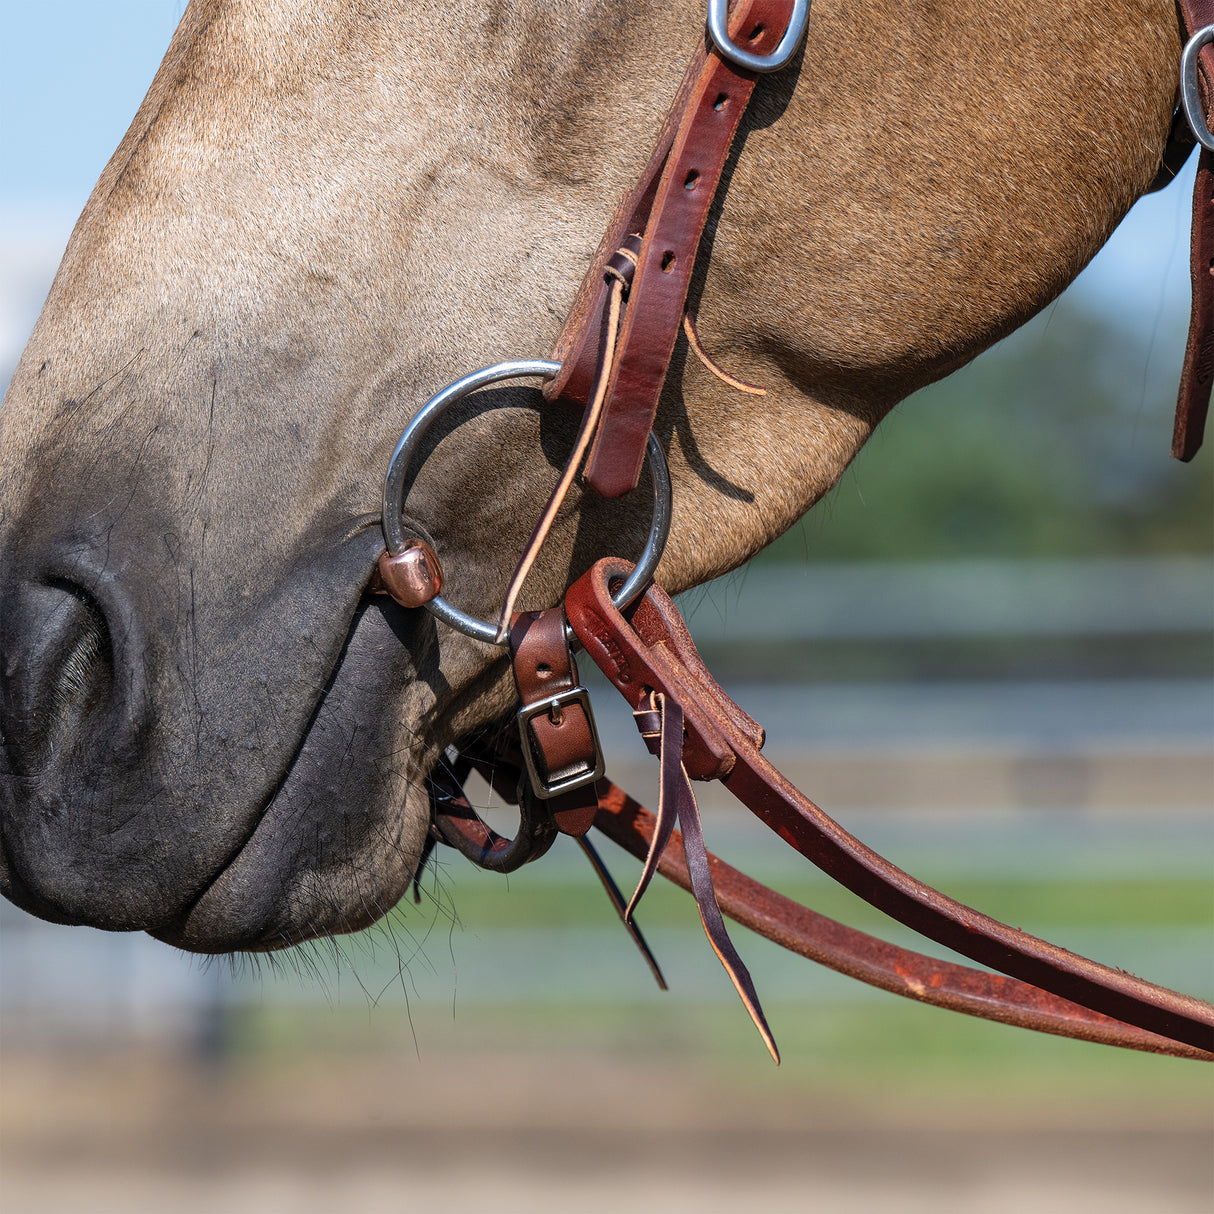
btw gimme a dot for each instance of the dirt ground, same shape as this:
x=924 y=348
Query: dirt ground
x=89 y=1135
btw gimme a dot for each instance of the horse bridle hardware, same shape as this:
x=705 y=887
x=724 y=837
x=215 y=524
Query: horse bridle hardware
x=612 y=358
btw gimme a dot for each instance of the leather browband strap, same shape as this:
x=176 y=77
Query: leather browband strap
x=651 y=652
x=1195 y=381
x=668 y=209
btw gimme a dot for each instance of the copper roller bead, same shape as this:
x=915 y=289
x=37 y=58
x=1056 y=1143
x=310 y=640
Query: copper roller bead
x=412 y=576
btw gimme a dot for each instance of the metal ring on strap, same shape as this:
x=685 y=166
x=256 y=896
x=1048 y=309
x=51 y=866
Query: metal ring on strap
x=718 y=28
x=1190 y=92
x=398 y=466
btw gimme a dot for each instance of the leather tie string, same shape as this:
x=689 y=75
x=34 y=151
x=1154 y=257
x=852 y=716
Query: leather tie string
x=619 y=274
x=661 y=725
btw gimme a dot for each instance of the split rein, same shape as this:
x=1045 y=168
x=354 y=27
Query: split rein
x=612 y=359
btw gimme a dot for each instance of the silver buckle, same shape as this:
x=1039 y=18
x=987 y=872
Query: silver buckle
x=718 y=27
x=1190 y=93
x=553 y=705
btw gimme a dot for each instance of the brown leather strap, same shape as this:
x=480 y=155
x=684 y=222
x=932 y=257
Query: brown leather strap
x=1193 y=403
x=556 y=739
x=560 y=739
x=455 y=822
x=787 y=923
x=668 y=208
x=641 y=656
x=858 y=955
x=617 y=901
x=677 y=802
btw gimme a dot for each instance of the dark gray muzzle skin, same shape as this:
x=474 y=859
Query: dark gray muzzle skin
x=162 y=734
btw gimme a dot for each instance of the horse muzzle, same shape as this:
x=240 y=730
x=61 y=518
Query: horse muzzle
x=162 y=734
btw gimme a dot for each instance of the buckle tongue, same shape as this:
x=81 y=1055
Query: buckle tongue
x=588 y=770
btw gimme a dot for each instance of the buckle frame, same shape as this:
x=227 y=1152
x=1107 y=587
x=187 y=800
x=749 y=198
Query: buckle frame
x=718 y=29
x=1190 y=91
x=546 y=789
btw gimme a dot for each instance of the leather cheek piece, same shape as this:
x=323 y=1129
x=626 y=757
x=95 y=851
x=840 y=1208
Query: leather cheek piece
x=560 y=740
x=1193 y=403
x=669 y=208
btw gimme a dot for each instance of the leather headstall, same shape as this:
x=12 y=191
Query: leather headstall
x=1197 y=376
x=611 y=361
x=660 y=223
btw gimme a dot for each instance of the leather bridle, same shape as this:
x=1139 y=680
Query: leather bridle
x=611 y=361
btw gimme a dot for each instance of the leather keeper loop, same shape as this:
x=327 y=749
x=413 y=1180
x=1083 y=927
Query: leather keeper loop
x=622 y=264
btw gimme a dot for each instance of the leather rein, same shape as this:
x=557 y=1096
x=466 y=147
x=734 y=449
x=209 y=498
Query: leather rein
x=611 y=361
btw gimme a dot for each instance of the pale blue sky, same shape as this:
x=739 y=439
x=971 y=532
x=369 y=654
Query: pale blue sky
x=72 y=73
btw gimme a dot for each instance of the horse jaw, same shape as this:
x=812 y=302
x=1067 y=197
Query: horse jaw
x=218 y=737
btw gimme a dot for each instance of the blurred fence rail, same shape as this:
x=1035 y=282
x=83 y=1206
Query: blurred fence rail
x=1080 y=597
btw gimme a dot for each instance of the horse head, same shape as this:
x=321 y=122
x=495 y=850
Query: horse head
x=323 y=213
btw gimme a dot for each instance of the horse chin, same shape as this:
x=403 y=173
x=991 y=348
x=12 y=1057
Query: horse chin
x=254 y=906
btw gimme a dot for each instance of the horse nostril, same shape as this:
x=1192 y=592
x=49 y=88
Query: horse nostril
x=57 y=666
x=86 y=665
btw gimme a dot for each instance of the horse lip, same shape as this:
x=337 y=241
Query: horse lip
x=14 y=888
x=247 y=903
x=97 y=899
x=175 y=931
